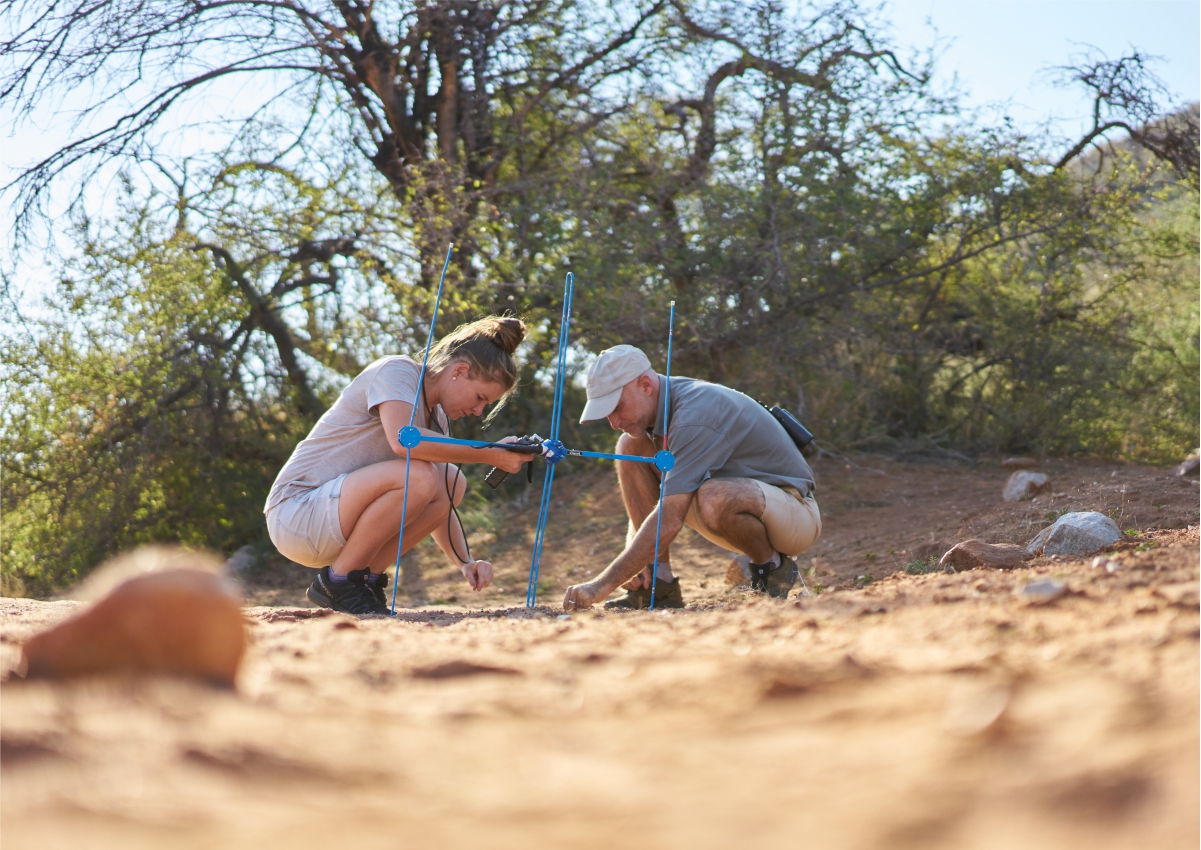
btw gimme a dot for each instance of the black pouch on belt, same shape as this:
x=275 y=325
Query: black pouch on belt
x=796 y=431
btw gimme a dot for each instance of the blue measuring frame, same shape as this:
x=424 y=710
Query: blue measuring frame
x=410 y=430
x=553 y=451
x=557 y=450
x=671 y=326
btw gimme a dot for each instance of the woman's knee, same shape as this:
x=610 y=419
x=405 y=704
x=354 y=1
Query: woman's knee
x=423 y=479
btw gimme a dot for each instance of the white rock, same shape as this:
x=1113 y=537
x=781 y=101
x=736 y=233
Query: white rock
x=1023 y=485
x=1078 y=533
x=1046 y=590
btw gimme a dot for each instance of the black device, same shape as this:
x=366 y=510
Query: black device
x=531 y=445
x=796 y=431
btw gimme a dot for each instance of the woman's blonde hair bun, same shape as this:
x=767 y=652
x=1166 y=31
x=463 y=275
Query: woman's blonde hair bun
x=505 y=332
x=487 y=346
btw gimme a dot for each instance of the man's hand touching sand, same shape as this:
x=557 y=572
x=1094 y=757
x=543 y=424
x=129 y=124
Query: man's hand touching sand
x=582 y=596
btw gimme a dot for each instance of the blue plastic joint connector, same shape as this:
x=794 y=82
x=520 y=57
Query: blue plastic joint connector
x=409 y=437
x=553 y=451
x=664 y=460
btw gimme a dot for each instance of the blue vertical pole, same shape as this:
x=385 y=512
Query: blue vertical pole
x=404 y=502
x=531 y=590
x=671 y=324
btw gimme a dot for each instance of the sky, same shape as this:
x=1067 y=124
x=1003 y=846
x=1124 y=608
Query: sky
x=996 y=51
x=1000 y=49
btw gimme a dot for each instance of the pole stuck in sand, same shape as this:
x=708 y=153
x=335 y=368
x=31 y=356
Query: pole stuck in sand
x=404 y=501
x=663 y=470
x=552 y=450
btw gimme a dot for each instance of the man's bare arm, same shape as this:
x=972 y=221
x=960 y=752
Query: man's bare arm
x=635 y=557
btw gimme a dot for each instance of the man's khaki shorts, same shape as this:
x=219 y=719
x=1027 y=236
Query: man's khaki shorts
x=793 y=523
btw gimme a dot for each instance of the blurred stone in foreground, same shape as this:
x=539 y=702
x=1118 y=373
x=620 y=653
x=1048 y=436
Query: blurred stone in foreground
x=1189 y=466
x=159 y=610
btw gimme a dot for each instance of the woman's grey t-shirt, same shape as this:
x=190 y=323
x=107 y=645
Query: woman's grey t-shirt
x=717 y=432
x=349 y=435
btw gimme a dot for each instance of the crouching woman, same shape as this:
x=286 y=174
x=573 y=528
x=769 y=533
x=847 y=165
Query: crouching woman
x=336 y=505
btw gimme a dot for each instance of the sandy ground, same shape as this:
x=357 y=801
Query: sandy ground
x=924 y=710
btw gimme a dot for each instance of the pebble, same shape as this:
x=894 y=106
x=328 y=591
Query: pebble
x=1023 y=485
x=1043 y=591
x=975 y=553
x=1110 y=565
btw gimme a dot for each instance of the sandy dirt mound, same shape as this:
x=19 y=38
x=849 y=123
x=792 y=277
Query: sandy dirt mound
x=931 y=710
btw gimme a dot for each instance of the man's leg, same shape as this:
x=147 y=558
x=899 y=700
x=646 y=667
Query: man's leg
x=733 y=509
x=640 y=492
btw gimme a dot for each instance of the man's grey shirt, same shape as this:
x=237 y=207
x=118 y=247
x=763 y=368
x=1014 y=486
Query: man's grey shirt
x=717 y=432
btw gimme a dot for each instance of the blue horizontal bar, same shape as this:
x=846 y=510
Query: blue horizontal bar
x=603 y=456
x=454 y=441
x=480 y=444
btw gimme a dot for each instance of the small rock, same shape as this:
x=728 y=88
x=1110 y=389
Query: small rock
x=1110 y=565
x=182 y=619
x=1019 y=463
x=1043 y=591
x=1023 y=485
x=1191 y=465
x=975 y=553
x=1078 y=533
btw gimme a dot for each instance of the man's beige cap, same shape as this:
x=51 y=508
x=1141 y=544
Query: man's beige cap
x=615 y=368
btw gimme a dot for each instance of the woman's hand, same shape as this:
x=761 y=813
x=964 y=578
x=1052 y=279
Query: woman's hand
x=509 y=461
x=478 y=574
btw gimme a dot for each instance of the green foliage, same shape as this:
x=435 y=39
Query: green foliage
x=919 y=567
x=128 y=418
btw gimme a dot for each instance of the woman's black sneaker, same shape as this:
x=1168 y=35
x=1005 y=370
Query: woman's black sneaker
x=381 y=584
x=353 y=596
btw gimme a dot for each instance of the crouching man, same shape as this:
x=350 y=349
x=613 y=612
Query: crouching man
x=738 y=480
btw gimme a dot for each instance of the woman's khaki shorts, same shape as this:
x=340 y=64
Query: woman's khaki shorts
x=306 y=528
x=793 y=523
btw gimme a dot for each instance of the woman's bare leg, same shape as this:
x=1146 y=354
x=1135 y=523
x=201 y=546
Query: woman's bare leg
x=369 y=508
x=432 y=520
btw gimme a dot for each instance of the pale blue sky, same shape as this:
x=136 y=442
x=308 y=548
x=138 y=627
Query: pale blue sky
x=999 y=48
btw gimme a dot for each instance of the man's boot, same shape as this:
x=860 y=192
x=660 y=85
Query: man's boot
x=667 y=595
x=774 y=579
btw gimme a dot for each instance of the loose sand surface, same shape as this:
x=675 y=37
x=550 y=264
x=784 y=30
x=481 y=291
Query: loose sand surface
x=927 y=710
